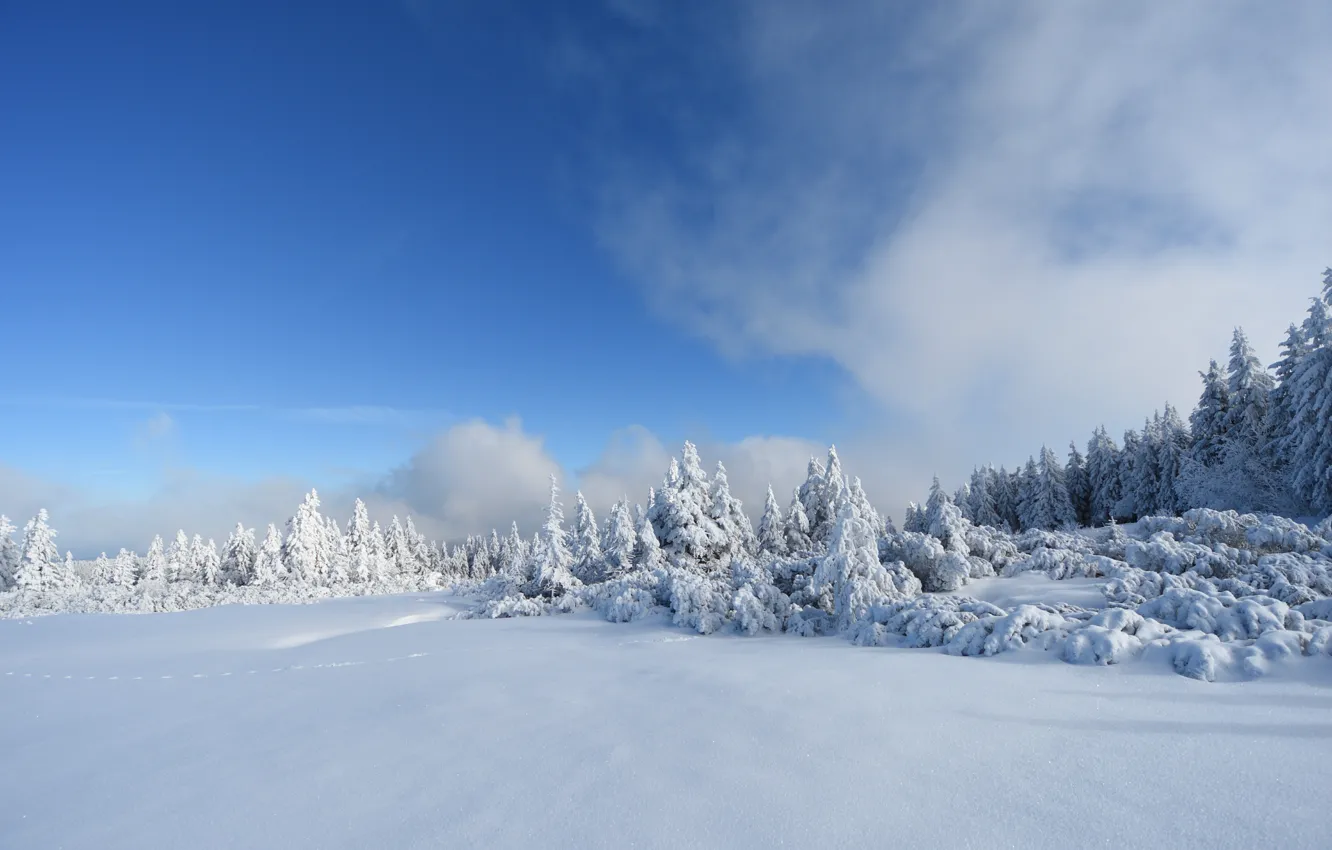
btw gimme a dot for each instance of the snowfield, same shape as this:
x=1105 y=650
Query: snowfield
x=382 y=722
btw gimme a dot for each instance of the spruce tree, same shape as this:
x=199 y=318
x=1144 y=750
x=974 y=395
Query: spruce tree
x=39 y=558
x=797 y=526
x=1078 y=482
x=772 y=530
x=10 y=554
x=620 y=541
x=588 y=565
x=551 y=575
x=268 y=565
x=1211 y=417
x=238 y=555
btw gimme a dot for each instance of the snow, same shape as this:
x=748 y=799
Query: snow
x=382 y=721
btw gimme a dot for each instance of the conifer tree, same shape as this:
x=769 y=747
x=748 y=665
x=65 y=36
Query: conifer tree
x=1211 y=417
x=1311 y=421
x=238 y=555
x=124 y=570
x=588 y=564
x=735 y=533
x=38 y=558
x=797 y=526
x=210 y=564
x=154 y=563
x=980 y=499
x=1103 y=476
x=10 y=554
x=551 y=575
x=305 y=551
x=648 y=555
x=772 y=528
x=179 y=558
x=361 y=566
x=268 y=563
x=620 y=541
x=1078 y=483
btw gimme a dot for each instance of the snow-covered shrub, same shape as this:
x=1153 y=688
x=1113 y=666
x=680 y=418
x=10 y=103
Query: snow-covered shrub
x=1222 y=614
x=758 y=605
x=936 y=568
x=627 y=598
x=920 y=622
x=996 y=634
x=1063 y=564
x=699 y=602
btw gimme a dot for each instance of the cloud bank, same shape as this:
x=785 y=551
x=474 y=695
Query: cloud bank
x=1009 y=222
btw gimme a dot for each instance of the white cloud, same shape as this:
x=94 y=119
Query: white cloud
x=468 y=479
x=157 y=427
x=1008 y=222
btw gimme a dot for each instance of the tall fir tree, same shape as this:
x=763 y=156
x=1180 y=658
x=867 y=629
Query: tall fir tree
x=772 y=528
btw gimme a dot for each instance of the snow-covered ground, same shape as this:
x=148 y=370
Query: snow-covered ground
x=380 y=722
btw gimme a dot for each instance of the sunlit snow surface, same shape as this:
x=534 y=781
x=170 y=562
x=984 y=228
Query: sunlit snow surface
x=378 y=722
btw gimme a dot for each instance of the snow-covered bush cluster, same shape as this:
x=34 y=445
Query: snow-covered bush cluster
x=1258 y=440
x=1216 y=593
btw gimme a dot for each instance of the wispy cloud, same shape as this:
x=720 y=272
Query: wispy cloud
x=1007 y=221
x=354 y=414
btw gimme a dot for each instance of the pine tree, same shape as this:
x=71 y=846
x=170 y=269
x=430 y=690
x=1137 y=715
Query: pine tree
x=772 y=529
x=962 y=501
x=1281 y=415
x=210 y=565
x=378 y=554
x=101 y=570
x=851 y=573
x=866 y=511
x=1103 y=476
x=338 y=571
x=797 y=526
x=619 y=542
x=513 y=553
x=419 y=562
x=154 y=563
x=10 y=555
x=682 y=517
x=197 y=558
x=648 y=555
x=812 y=499
x=396 y=550
x=551 y=575
x=305 y=551
x=39 y=557
x=1006 y=498
x=735 y=534
x=1210 y=418
x=1028 y=508
x=588 y=564
x=980 y=499
x=124 y=570
x=238 y=555
x=1078 y=482
x=66 y=575
x=1311 y=422
x=1128 y=507
x=179 y=559
x=913 y=519
x=268 y=563
x=361 y=566
x=1171 y=453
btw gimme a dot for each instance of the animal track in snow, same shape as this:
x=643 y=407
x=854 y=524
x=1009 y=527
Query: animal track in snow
x=293 y=667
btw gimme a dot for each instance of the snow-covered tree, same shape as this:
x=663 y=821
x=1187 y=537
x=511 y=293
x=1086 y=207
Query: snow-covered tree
x=363 y=565
x=913 y=519
x=812 y=499
x=588 y=564
x=1103 y=476
x=735 y=534
x=682 y=517
x=397 y=551
x=238 y=555
x=796 y=528
x=10 y=554
x=124 y=570
x=980 y=498
x=101 y=570
x=305 y=551
x=154 y=566
x=39 y=559
x=1006 y=498
x=551 y=573
x=1078 y=483
x=419 y=561
x=268 y=563
x=180 y=559
x=339 y=558
x=851 y=574
x=772 y=529
x=648 y=555
x=210 y=564
x=1210 y=418
x=861 y=502
x=1281 y=414
x=1027 y=498
x=1311 y=421
x=620 y=540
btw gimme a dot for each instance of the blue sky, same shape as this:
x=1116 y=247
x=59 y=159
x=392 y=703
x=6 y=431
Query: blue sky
x=283 y=207
x=246 y=248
